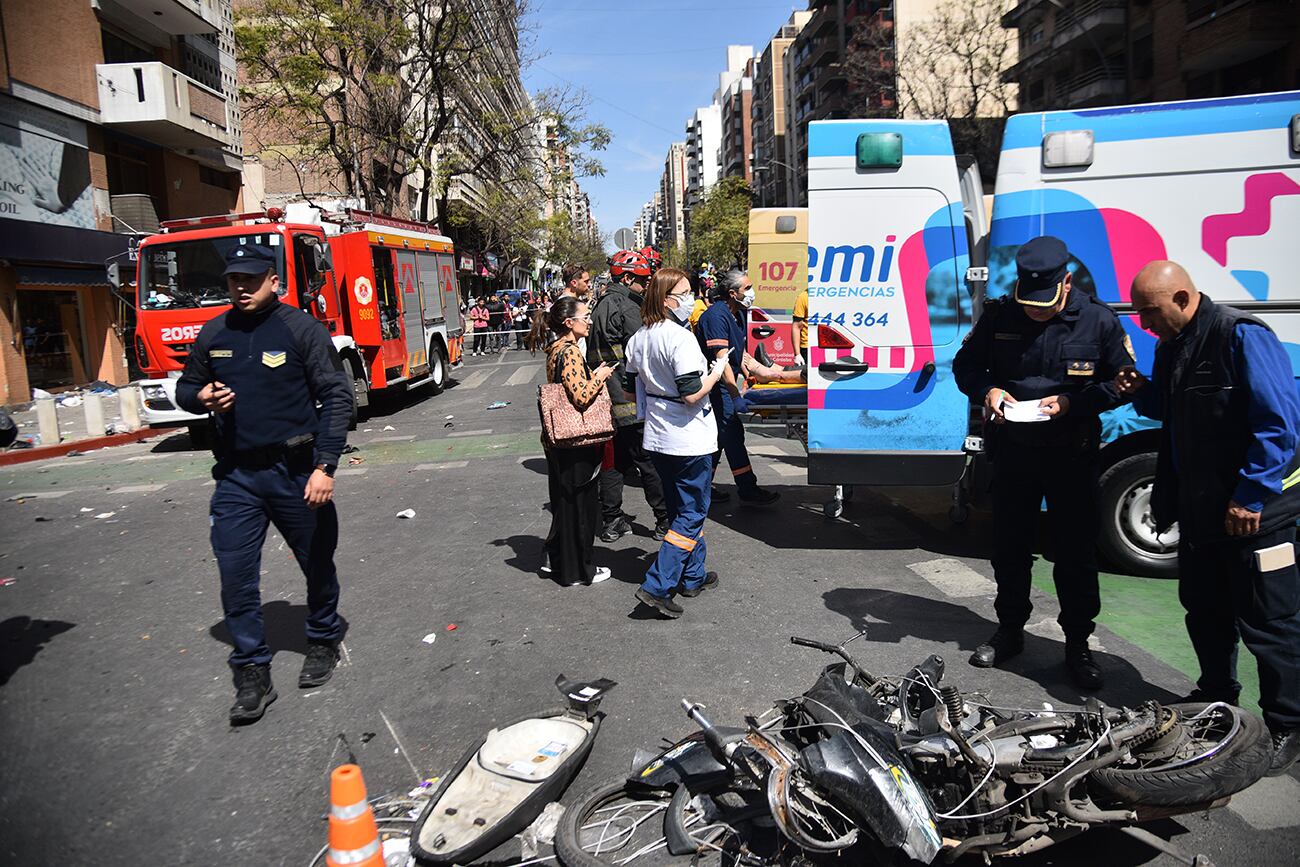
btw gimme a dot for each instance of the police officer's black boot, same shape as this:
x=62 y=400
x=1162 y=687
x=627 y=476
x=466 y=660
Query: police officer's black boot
x=1083 y=668
x=318 y=667
x=253 y=692
x=1286 y=749
x=1001 y=646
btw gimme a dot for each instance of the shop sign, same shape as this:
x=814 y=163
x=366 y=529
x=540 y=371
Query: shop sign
x=44 y=167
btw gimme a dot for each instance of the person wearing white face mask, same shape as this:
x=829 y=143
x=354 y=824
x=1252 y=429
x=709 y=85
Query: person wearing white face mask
x=722 y=327
x=672 y=380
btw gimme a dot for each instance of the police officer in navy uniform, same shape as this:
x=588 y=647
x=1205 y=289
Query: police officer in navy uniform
x=1228 y=471
x=1059 y=349
x=261 y=368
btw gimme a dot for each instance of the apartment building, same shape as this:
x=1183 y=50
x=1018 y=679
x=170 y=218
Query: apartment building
x=672 y=189
x=771 y=161
x=817 y=82
x=703 y=152
x=1076 y=53
x=115 y=115
x=738 y=125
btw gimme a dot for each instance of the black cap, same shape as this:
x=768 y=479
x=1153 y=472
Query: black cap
x=1040 y=268
x=249 y=259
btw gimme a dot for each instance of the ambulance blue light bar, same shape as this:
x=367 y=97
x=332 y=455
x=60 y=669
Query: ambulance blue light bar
x=880 y=150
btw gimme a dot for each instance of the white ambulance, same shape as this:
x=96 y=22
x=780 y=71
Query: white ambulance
x=902 y=256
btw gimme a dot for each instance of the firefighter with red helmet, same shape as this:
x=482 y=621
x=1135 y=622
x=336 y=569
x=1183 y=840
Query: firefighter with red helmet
x=652 y=256
x=615 y=318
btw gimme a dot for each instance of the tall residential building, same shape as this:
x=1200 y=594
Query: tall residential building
x=771 y=163
x=672 y=187
x=1112 y=51
x=737 y=125
x=816 y=60
x=703 y=152
x=643 y=229
x=113 y=116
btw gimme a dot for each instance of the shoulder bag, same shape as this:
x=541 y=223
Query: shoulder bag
x=565 y=426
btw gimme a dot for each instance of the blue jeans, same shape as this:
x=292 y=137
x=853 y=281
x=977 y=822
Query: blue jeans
x=731 y=439
x=243 y=504
x=686 y=494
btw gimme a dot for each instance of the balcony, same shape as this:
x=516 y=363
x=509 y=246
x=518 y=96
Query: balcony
x=1011 y=18
x=1232 y=34
x=1090 y=19
x=152 y=101
x=1094 y=87
x=174 y=17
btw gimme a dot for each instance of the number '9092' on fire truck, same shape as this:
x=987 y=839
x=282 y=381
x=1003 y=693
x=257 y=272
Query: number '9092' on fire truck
x=385 y=289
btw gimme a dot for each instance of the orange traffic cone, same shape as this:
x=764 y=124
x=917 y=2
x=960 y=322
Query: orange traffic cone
x=354 y=838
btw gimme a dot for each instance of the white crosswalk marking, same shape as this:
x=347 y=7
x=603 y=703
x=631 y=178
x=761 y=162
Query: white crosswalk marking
x=355 y=471
x=773 y=450
x=786 y=470
x=137 y=489
x=954 y=578
x=475 y=379
x=1052 y=631
x=449 y=465
x=393 y=439
x=524 y=375
x=1272 y=803
x=470 y=433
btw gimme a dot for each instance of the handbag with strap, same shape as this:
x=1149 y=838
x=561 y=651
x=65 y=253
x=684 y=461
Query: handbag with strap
x=566 y=426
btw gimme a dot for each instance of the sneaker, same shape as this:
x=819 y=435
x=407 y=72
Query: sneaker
x=1083 y=668
x=602 y=573
x=1286 y=749
x=1209 y=696
x=717 y=495
x=661 y=529
x=760 y=497
x=615 y=530
x=318 y=667
x=1001 y=646
x=710 y=581
x=253 y=693
x=666 y=607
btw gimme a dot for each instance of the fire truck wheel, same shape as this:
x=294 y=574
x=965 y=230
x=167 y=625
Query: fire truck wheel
x=437 y=368
x=360 y=392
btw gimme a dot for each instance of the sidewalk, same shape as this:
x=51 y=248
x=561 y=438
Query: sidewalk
x=70 y=408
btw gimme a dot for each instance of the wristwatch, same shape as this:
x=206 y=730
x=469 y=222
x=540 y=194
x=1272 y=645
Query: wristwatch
x=327 y=469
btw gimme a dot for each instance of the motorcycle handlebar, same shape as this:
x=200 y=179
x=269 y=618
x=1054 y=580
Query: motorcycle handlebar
x=836 y=650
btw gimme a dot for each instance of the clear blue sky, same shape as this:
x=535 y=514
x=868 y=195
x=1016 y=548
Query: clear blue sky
x=646 y=65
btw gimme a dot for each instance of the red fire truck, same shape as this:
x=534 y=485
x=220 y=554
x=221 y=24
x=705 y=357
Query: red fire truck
x=385 y=289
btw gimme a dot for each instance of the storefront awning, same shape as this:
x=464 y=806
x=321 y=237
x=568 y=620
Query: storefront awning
x=21 y=241
x=30 y=275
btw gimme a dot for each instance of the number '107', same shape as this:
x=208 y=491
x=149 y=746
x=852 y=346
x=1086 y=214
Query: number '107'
x=777 y=270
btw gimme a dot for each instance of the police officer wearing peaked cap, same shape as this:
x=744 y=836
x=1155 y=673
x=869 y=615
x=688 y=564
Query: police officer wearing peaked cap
x=261 y=368
x=1059 y=349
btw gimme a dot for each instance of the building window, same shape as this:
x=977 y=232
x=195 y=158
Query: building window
x=1035 y=91
x=1143 y=57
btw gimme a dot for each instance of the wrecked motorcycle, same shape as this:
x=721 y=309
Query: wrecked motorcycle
x=895 y=768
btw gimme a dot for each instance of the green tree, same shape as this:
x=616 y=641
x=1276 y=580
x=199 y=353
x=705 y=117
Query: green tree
x=675 y=257
x=719 y=227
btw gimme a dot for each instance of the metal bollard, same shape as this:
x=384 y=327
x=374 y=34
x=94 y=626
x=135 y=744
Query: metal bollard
x=47 y=420
x=128 y=406
x=94 y=405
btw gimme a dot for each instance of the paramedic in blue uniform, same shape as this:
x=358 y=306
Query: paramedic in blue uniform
x=1059 y=349
x=722 y=326
x=1228 y=472
x=261 y=368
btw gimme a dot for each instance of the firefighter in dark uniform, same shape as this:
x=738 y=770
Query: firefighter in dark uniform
x=1228 y=471
x=1059 y=349
x=261 y=368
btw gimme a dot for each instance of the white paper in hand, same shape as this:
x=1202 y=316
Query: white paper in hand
x=1025 y=411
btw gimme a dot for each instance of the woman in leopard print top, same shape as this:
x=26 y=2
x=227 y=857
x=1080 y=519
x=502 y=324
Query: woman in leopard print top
x=572 y=473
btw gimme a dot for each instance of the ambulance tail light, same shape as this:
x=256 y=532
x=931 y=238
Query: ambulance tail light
x=1070 y=149
x=829 y=338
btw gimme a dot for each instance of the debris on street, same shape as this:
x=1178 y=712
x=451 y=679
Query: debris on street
x=406 y=513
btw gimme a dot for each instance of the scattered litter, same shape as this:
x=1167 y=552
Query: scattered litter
x=451 y=627
x=406 y=513
x=41 y=519
x=99 y=387
x=430 y=638
x=449 y=417
x=349 y=449
x=5 y=582
x=103 y=515
x=70 y=400
x=367 y=737
x=356 y=459
x=74 y=454
x=423 y=790
x=367 y=430
x=396 y=850
x=145 y=637
x=40 y=394
x=449 y=424
x=500 y=404
x=87 y=509
x=388 y=427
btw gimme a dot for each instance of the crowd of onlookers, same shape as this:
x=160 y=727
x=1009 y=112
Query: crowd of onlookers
x=492 y=320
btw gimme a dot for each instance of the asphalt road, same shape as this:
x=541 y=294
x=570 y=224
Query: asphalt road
x=114 y=689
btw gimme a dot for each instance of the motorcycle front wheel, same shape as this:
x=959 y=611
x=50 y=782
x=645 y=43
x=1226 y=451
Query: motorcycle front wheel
x=1209 y=751
x=618 y=824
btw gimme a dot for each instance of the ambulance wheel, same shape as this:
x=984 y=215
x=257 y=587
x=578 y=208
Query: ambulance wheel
x=833 y=509
x=437 y=368
x=360 y=392
x=1128 y=540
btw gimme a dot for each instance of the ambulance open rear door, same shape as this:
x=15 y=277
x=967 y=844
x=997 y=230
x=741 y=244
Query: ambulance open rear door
x=888 y=304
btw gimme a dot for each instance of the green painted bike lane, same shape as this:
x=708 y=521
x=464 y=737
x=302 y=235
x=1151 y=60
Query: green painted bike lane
x=1146 y=612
